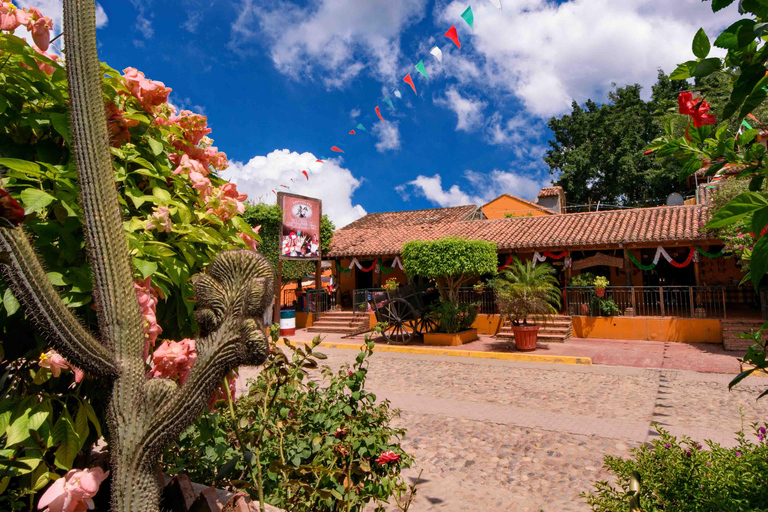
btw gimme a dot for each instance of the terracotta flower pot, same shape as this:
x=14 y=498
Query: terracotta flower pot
x=600 y=292
x=525 y=336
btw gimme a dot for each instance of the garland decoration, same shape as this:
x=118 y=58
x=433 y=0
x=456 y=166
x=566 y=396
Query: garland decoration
x=506 y=263
x=343 y=271
x=640 y=265
x=708 y=254
x=560 y=256
x=384 y=270
x=396 y=263
x=660 y=251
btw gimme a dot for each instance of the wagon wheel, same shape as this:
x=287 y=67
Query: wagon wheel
x=397 y=314
x=425 y=324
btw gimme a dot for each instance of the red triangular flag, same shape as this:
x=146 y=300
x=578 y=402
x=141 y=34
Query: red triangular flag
x=334 y=148
x=318 y=160
x=274 y=192
x=351 y=132
x=305 y=174
x=409 y=81
x=283 y=186
x=453 y=36
x=378 y=113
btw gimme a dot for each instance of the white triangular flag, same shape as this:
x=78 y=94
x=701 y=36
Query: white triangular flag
x=497 y=3
x=397 y=93
x=437 y=53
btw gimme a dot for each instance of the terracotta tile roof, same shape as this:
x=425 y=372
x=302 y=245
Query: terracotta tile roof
x=412 y=217
x=551 y=191
x=665 y=224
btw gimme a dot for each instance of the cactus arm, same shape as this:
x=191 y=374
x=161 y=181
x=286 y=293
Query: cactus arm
x=119 y=314
x=62 y=329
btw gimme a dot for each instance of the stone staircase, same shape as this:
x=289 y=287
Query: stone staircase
x=340 y=322
x=557 y=330
x=733 y=327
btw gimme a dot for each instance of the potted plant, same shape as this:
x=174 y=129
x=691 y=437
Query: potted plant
x=391 y=284
x=524 y=291
x=600 y=284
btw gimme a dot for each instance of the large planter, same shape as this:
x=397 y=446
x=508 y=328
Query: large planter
x=525 y=337
x=442 y=339
x=600 y=292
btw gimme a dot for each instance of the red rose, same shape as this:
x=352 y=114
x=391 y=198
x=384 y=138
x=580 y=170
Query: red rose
x=10 y=209
x=387 y=457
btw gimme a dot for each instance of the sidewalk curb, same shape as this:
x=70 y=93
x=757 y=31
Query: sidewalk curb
x=531 y=358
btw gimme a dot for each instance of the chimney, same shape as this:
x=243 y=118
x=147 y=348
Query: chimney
x=552 y=198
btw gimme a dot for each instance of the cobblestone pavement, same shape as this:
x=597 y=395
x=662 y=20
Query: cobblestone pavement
x=493 y=435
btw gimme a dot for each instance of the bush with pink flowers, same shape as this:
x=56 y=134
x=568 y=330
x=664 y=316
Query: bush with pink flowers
x=178 y=215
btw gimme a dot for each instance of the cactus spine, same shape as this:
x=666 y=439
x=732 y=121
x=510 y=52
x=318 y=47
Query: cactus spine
x=143 y=415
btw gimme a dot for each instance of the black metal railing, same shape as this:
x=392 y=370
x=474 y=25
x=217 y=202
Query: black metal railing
x=360 y=299
x=318 y=301
x=679 y=301
x=485 y=299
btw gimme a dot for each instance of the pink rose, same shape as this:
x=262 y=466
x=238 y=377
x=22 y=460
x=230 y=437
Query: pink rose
x=174 y=360
x=74 y=491
x=160 y=220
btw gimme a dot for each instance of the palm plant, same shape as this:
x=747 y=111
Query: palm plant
x=525 y=290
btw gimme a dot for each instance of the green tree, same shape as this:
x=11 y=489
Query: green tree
x=597 y=150
x=269 y=218
x=450 y=262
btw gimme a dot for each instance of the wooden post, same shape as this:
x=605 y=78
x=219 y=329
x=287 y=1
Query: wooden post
x=724 y=316
x=661 y=300
x=318 y=285
x=627 y=267
x=690 y=293
x=278 y=286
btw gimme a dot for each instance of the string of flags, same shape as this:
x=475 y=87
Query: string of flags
x=451 y=34
x=396 y=263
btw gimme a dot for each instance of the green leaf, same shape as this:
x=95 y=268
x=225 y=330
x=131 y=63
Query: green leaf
x=707 y=67
x=684 y=70
x=81 y=425
x=162 y=194
x=64 y=433
x=56 y=278
x=10 y=303
x=92 y=417
x=40 y=414
x=18 y=430
x=60 y=123
x=738 y=208
x=737 y=35
x=758 y=265
x=747 y=136
x=720 y=4
x=20 y=165
x=35 y=200
x=701 y=44
x=146 y=268
x=156 y=146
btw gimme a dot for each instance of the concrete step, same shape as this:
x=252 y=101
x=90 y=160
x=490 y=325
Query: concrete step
x=335 y=323
x=543 y=336
x=336 y=330
x=548 y=328
x=736 y=344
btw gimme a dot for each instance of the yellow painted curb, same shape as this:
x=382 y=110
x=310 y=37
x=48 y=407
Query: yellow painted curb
x=531 y=358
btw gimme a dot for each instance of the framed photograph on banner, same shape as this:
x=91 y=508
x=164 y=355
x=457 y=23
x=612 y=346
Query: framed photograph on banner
x=300 y=229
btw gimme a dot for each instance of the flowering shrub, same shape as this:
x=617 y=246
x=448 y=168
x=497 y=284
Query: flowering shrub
x=685 y=476
x=178 y=214
x=311 y=447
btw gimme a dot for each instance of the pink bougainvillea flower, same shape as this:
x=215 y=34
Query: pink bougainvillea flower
x=10 y=209
x=174 y=360
x=222 y=391
x=160 y=220
x=387 y=458
x=40 y=26
x=225 y=202
x=193 y=126
x=200 y=182
x=249 y=241
x=147 y=296
x=73 y=492
x=46 y=68
x=187 y=164
x=11 y=17
x=54 y=362
x=150 y=93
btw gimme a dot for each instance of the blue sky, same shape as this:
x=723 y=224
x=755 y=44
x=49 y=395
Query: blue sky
x=282 y=81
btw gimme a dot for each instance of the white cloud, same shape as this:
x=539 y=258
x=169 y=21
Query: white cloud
x=330 y=39
x=193 y=21
x=354 y=114
x=327 y=181
x=479 y=188
x=143 y=22
x=468 y=110
x=388 y=135
x=550 y=53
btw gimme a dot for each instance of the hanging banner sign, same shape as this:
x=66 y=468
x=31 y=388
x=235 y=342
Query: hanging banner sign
x=300 y=229
x=599 y=260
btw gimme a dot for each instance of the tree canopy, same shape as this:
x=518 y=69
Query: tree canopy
x=269 y=218
x=597 y=150
x=450 y=262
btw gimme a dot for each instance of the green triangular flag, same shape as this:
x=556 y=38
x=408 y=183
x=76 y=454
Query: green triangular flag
x=361 y=127
x=745 y=123
x=389 y=102
x=420 y=68
x=468 y=17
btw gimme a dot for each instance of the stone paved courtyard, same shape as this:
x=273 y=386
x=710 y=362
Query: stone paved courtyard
x=511 y=436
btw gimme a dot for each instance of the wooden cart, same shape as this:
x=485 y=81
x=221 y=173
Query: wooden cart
x=405 y=311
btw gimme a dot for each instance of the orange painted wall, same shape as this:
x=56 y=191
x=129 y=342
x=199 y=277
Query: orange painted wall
x=499 y=207
x=487 y=324
x=684 y=330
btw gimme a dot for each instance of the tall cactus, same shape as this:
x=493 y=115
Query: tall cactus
x=143 y=415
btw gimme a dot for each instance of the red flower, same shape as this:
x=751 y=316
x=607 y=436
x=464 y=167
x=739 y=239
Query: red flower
x=387 y=457
x=685 y=103
x=700 y=116
x=696 y=108
x=10 y=209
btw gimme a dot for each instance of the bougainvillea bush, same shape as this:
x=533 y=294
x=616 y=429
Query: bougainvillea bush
x=687 y=476
x=309 y=445
x=178 y=214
